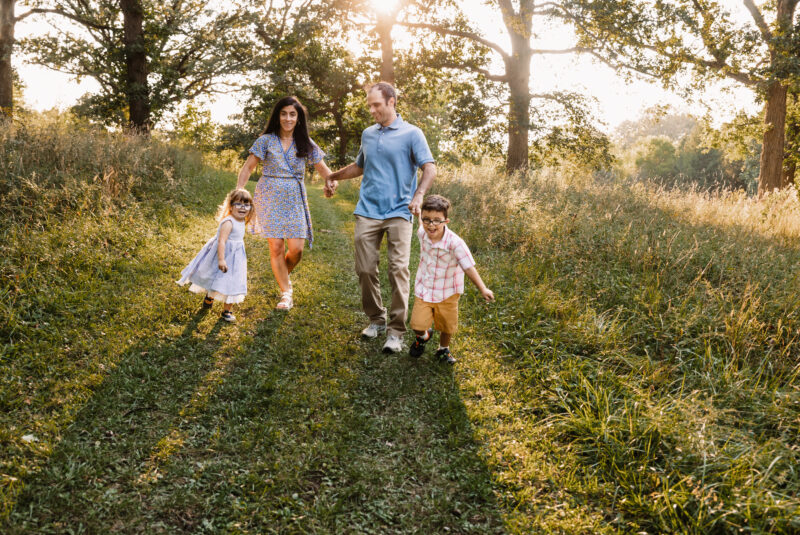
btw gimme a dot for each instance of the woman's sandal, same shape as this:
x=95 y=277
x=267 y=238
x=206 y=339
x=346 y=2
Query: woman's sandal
x=227 y=315
x=286 y=301
x=208 y=301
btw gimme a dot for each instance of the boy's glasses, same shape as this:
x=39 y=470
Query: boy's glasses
x=242 y=205
x=432 y=222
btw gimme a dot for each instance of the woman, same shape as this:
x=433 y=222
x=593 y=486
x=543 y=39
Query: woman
x=281 y=207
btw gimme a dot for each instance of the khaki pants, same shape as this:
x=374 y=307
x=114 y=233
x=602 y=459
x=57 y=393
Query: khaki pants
x=368 y=237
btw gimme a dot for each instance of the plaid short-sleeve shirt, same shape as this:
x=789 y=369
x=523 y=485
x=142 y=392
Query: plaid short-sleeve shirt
x=441 y=266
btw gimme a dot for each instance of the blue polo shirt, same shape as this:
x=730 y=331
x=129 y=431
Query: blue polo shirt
x=390 y=156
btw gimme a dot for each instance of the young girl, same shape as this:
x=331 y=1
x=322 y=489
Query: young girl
x=220 y=268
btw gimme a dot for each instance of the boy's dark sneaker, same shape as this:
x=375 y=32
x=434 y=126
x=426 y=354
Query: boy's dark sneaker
x=445 y=356
x=418 y=347
x=208 y=302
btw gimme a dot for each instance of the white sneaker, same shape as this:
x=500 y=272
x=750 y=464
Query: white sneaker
x=373 y=330
x=394 y=344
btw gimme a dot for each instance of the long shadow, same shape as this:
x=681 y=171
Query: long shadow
x=111 y=442
x=300 y=427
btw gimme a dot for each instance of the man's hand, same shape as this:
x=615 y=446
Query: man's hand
x=415 y=204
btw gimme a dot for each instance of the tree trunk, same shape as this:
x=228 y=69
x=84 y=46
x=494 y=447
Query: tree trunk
x=344 y=138
x=6 y=49
x=518 y=75
x=771 y=175
x=790 y=144
x=138 y=92
x=384 y=29
x=518 y=120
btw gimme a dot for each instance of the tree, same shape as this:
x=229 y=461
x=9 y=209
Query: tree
x=308 y=59
x=518 y=18
x=8 y=22
x=668 y=37
x=148 y=56
x=448 y=105
x=656 y=121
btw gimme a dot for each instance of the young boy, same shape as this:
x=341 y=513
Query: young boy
x=444 y=258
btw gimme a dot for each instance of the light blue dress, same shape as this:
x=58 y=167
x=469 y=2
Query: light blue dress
x=204 y=274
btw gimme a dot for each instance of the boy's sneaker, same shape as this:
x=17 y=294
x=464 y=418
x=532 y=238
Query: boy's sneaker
x=394 y=344
x=418 y=347
x=444 y=355
x=373 y=330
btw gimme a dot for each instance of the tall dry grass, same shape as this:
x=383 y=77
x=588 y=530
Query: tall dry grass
x=655 y=333
x=53 y=164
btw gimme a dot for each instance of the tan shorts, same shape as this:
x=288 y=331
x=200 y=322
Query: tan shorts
x=444 y=315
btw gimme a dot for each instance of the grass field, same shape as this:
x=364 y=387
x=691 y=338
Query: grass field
x=637 y=374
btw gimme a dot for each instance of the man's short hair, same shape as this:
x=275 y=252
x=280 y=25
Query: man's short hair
x=386 y=90
x=436 y=203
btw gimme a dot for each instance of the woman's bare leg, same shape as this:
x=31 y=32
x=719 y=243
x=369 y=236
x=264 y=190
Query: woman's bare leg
x=294 y=253
x=277 y=259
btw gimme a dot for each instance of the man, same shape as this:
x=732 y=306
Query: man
x=391 y=152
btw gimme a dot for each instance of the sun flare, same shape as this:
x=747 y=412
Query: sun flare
x=383 y=6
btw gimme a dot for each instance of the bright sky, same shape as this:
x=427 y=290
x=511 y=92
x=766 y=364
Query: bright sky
x=618 y=100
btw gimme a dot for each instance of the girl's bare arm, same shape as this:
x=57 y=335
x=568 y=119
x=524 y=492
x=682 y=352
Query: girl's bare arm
x=224 y=232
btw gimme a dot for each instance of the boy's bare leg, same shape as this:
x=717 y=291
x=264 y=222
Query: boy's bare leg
x=444 y=339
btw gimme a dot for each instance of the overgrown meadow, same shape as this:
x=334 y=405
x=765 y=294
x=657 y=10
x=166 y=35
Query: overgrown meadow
x=637 y=374
x=649 y=339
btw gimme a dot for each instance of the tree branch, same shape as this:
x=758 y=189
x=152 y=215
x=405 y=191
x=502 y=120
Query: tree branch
x=484 y=72
x=442 y=30
x=578 y=49
x=79 y=20
x=759 y=20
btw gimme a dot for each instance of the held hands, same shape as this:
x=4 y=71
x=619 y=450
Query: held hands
x=223 y=266
x=330 y=187
x=488 y=295
x=414 y=205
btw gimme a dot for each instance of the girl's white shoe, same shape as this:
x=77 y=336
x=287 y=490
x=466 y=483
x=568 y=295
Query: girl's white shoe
x=286 y=301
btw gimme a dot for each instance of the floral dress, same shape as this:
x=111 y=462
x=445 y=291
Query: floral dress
x=280 y=202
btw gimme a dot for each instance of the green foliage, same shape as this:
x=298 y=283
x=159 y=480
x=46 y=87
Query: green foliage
x=304 y=56
x=193 y=127
x=691 y=154
x=658 y=160
x=657 y=121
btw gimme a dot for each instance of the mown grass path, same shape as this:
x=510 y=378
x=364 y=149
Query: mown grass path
x=282 y=423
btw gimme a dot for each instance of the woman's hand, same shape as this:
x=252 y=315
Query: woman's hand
x=325 y=173
x=223 y=266
x=330 y=187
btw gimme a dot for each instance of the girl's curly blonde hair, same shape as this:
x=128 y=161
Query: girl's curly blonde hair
x=236 y=195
